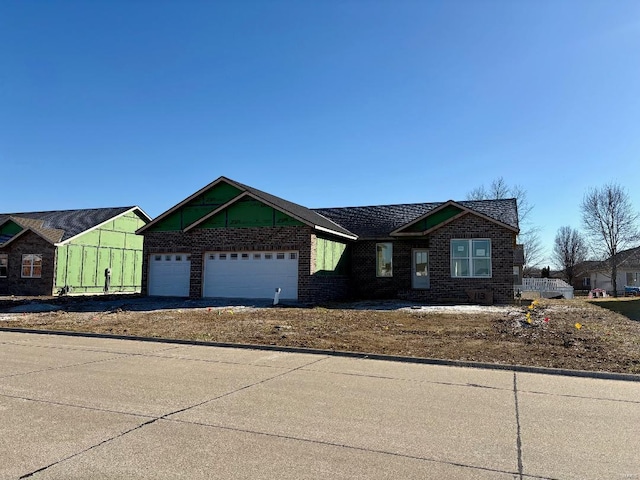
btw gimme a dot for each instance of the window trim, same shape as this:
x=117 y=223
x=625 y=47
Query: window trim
x=379 y=273
x=26 y=256
x=470 y=257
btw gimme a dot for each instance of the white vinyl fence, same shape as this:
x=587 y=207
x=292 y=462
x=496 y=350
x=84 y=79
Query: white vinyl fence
x=547 y=287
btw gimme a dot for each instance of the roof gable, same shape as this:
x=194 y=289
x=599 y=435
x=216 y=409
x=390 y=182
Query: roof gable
x=442 y=215
x=194 y=208
x=245 y=211
x=9 y=229
x=238 y=191
x=63 y=225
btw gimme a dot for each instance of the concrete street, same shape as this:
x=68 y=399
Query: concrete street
x=88 y=408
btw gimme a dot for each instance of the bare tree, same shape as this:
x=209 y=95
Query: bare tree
x=569 y=249
x=529 y=234
x=611 y=223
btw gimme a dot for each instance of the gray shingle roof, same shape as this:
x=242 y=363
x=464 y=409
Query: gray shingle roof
x=68 y=222
x=379 y=221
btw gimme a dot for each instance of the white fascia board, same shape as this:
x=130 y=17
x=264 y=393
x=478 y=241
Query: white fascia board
x=333 y=232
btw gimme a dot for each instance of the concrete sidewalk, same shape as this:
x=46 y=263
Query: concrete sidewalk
x=74 y=407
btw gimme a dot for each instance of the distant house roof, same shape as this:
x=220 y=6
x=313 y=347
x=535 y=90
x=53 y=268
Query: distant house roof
x=379 y=221
x=61 y=225
x=625 y=259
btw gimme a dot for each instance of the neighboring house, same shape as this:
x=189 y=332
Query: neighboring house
x=47 y=253
x=232 y=240
x=628 y=273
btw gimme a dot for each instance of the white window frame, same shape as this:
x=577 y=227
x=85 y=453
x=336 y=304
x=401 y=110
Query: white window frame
x=470 y=257
x=380 y=268
x=4 y=265
x=29 y=260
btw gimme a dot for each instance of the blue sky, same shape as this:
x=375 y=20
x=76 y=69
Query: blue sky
x=324 y=103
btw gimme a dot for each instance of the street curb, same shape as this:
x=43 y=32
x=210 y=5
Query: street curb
x=347 y=354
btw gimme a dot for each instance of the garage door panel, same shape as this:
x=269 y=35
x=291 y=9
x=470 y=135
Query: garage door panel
x=169 y=275
x=251 y=276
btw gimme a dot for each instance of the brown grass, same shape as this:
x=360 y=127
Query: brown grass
x=603 y=341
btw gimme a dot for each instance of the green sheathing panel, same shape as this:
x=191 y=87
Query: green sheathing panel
x=434 y=219
x=82 y=262
x=331 y=257
x=9 y=229
x=197 y=208
x=248 y=212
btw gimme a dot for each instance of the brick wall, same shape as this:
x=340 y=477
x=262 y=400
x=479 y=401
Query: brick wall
x=14 y=284
x=199 y=241
x=443 y=287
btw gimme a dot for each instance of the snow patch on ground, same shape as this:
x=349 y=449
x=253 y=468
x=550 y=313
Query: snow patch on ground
x=469 y=309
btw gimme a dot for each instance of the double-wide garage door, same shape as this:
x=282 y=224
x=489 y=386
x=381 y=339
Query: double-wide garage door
x=251 y=274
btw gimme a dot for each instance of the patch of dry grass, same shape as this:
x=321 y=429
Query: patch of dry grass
x=572 y=334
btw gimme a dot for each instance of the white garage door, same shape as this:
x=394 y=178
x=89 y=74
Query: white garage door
x=169 y=274
x=251 y=274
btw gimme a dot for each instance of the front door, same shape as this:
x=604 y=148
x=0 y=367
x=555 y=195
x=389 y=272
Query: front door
x=420 y=268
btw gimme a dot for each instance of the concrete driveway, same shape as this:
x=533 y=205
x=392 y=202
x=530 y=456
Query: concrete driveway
x=79 y=408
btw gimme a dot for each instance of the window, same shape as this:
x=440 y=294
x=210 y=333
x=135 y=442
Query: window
x=223 y=256
x=4 y=262
x=257 y=256
x=632 y=279
x=178 y=258
x=245 y=256
x=280 y=256
x=234 y=256
x=31 y=266
x=167 y=258
x=212 y=256
x=586 y=282
x=293 y=256
x=471 y=258
x=268 y=256
x=384 y=259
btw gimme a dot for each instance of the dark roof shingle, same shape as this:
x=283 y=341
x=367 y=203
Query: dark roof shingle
x=379 y=221
x=60 y=225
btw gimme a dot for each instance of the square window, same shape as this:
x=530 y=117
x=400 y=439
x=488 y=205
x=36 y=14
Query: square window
x=158 y=258
x=178 y=258
x=384 y=259
x=188 y=258
x=257 y=256
x=167 y=258
x=223 y=256
x=268 y=256
x=212 y=256
x=471 y=258
x=234 y=256
x=293 y=256
x=245 y=256
x=31 y=266
x=280 y=256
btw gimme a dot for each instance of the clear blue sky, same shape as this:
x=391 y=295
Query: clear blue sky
x=324 y=103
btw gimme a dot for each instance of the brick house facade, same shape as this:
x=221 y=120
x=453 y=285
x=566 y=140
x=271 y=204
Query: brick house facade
x=336 y=248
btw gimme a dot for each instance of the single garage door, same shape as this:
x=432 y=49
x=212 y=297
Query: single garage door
x=169 y=274
x=251 y=274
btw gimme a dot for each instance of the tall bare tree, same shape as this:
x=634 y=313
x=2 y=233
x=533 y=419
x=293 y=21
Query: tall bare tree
x=569 y=249
x=611 y=223
x=529 y=234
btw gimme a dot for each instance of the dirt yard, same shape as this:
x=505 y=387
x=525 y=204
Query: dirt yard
x=573 y=334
